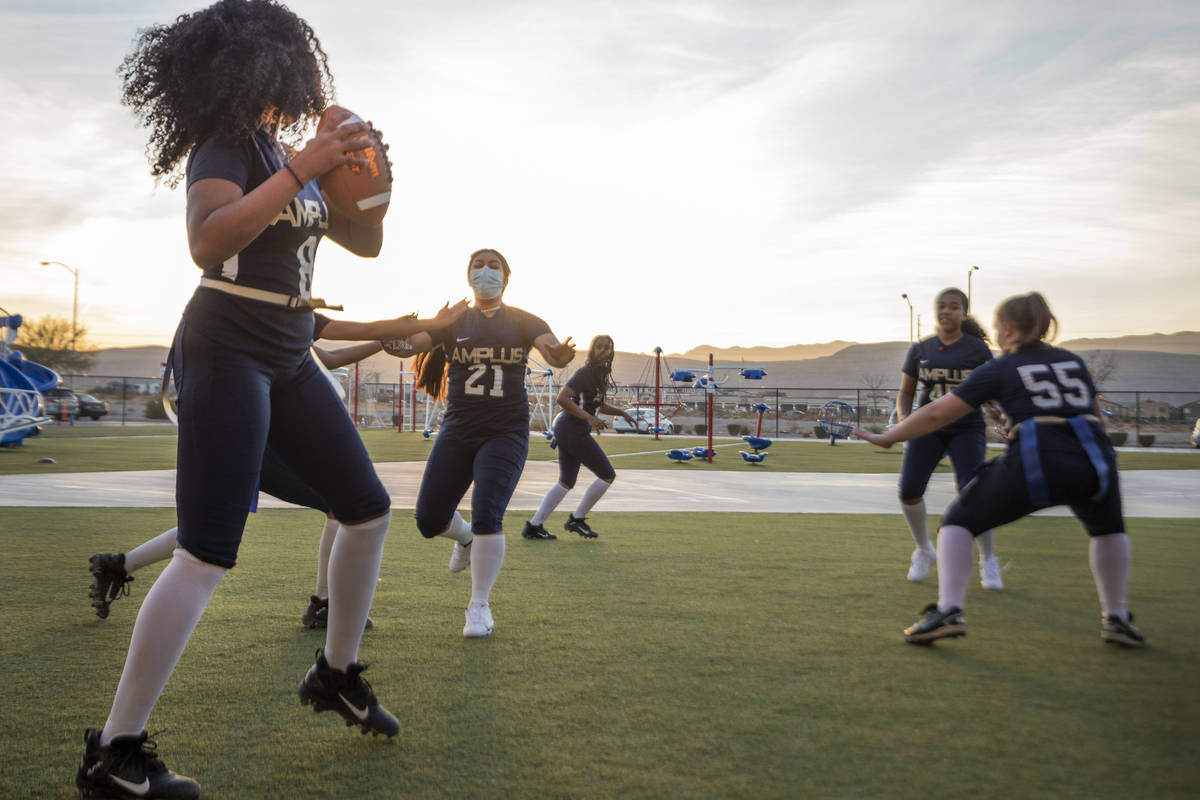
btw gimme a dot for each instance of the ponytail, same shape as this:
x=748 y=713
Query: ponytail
x=1031 y=316
x=971 y=325
x=430 y=368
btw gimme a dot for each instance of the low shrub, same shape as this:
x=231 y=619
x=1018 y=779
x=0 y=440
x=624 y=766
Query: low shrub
x=154 y=408
x=737 y=429
x=1118 y=437
x=1146 y=439
x=820 y=432
x=701 y=429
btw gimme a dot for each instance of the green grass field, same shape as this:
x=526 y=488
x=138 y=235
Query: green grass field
x=679 y=655
x=105 y=448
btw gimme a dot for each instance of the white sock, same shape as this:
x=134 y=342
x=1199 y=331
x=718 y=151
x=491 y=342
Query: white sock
x=549 y=503
x=954 y=552
x=987 y=545
x=328 y=535
x=157 y=549
x=591 y=497
x=1110 y=558
x=459 y=529
x=353 y=572
x=164 y=624
x=918 y=523
x=487 y=556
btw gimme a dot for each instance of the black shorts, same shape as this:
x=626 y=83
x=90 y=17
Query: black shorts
x=999 y=494
x=231 y=406
x=492 y=461
x=575 y=449
x=967 y=451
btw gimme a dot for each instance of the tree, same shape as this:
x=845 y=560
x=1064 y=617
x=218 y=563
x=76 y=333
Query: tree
x=48 y=341
x=1102 y=364
x=876 y=386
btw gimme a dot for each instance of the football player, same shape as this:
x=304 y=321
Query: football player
x=1058 y=454
x=581 y=399
x=934 y=366
x=478 y=362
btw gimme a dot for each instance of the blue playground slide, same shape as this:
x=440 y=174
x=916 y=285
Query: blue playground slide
x=21 y=385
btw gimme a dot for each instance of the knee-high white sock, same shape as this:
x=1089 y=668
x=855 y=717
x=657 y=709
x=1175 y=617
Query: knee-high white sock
x=987 y=544
x=353 y=572
x=591 y=497
x=918 y=522
x=328 y=535
x=549 y=503
x=157 y=549
x=459 y=529
x=487 y=556
x=1110 y=557
x=164 y=624
x=954 y=552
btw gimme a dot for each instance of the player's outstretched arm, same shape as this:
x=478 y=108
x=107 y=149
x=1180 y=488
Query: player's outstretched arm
x=332 y=359
x=557 y=354
x=401 y=327
x=926 y=419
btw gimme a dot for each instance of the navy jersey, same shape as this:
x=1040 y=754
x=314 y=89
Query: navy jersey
x=486 y=358
x=589 y=385
x=1036 y=381
x=280 y=259
x=319 y=323
x=939 y=368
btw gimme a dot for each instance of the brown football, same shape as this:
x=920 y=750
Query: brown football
x=360 y=192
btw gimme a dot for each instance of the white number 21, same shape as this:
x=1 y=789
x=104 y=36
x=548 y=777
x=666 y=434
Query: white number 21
x=474 y=384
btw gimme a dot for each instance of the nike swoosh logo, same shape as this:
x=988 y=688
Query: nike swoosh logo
x=462 y=338
x=140 y=789
x=360 y=713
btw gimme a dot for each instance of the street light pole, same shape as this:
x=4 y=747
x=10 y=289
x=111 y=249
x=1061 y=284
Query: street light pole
x=910 y=317
x=75 y=303
x=970 y=273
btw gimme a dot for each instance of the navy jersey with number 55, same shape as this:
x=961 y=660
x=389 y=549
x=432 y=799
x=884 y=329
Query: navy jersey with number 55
x=486 y=358
x=1037 y=381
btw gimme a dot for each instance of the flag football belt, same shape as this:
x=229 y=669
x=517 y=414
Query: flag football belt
x=262 y=295
x=1035 y=478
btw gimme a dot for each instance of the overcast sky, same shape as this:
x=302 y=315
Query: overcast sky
x=671 y=172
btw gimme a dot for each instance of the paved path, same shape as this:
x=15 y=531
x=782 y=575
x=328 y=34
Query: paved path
x=1147 y=493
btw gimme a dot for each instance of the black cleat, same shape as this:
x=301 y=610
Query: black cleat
x=128 y=768
x=536 y=532
x=1115 y=630
x=329 y=689
x=109 y=581
x=579 y=525
x=936 y=625
x=316 y=616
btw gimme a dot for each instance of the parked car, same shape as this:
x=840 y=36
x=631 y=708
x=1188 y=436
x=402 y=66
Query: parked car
x=1195 y=437
x=92 y=407
x=645 y=421
x=59 y=401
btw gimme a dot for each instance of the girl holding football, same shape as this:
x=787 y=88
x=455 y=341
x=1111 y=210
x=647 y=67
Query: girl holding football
x=581 y=399
x=1058 y=454
x=218 y=88
x=479 y=362
x=935 y=366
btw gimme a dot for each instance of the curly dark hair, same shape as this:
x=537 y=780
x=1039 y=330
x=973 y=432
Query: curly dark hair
x=217 y=71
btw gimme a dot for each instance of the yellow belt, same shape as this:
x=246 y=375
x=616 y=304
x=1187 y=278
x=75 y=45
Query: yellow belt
x=262 y=295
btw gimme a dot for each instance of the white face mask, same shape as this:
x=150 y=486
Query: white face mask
x=486 y=282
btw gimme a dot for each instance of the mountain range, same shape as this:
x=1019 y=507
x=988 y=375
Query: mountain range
x=1151 y=362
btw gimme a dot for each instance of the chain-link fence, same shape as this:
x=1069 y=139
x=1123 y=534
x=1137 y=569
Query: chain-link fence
x=1149 y=418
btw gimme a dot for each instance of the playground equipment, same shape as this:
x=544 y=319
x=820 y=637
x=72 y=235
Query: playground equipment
x=21 y=385
x=680 y=455
x=707 y=381
x=837 y=417
x=703 y=452
x=539 y=385
x=752 y=458
x=756 y=443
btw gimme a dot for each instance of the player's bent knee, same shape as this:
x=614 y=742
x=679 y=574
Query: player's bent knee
x=430 y=526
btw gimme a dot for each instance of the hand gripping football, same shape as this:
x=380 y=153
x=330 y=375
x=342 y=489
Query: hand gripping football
x=360 y=192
